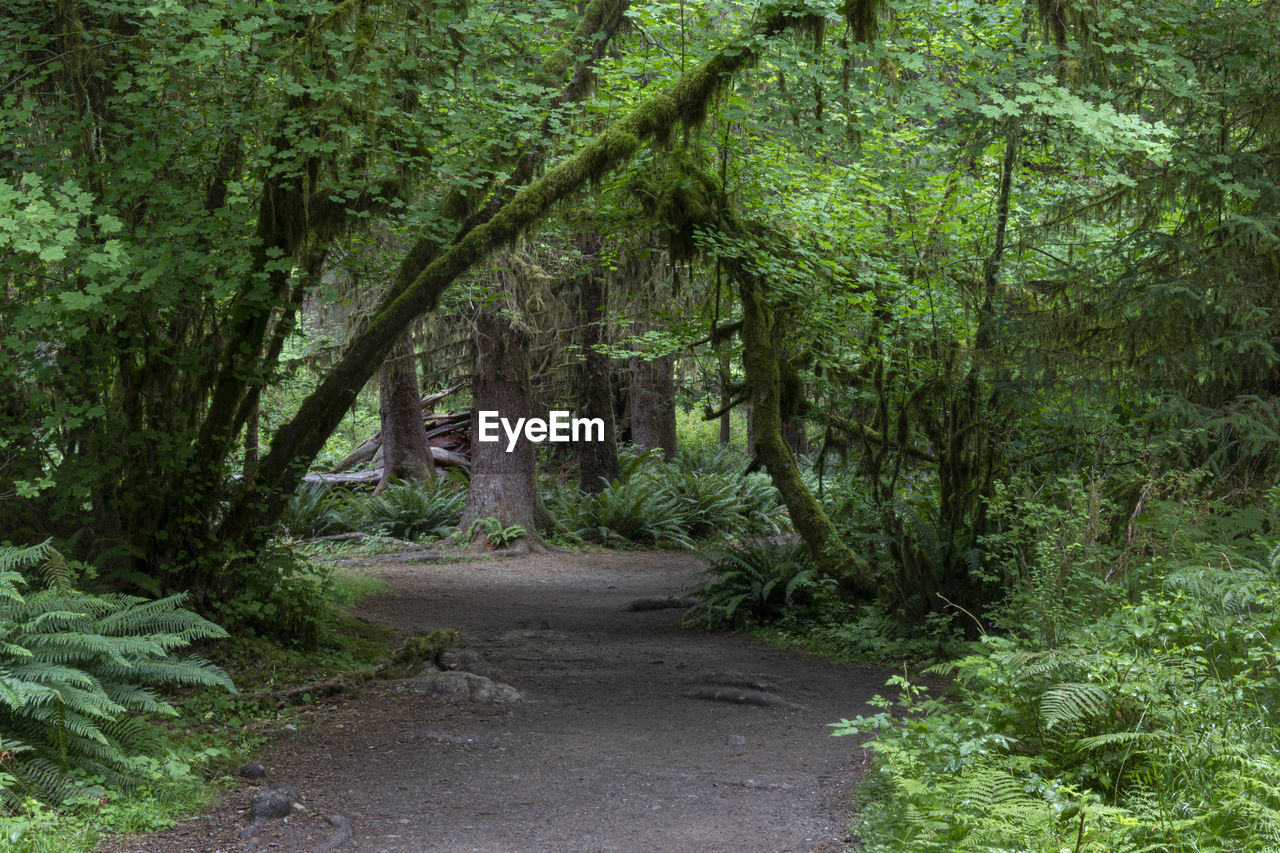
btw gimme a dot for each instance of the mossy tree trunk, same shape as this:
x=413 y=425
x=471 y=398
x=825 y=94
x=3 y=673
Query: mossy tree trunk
x=726 y=397
x=426 y=274
x=761 y=361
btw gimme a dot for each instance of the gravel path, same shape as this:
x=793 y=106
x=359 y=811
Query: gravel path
x=633 y=734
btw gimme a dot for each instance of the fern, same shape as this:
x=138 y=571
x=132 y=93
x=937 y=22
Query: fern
x=753 y=581
x=631 y=510
x=74 y=667
x=1164 y=707
x=1067 y=703
x=412 y=510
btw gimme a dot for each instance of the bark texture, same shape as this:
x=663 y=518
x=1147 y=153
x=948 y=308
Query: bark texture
x=406 y=455
x=597 y=460
x=726 y=397
x=653 y=404
x=504 y=486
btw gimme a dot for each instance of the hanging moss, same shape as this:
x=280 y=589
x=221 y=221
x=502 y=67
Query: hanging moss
x=861 y=17
x=297 y=442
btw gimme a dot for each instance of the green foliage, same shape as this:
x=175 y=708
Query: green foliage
x=1154 y=722
x=492 y=530
x=411 y=510
x=754 y=581
x=76 y=672
x=281 y=595
x=315 y=510
x=702 y=493
x=696 y=435
x=864 y=633
x=626 y=512
x=403 y=510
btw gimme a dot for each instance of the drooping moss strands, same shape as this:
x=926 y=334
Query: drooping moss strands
x=602 y=18
x=296 y=443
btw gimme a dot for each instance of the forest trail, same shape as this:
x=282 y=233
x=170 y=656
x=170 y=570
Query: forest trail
x=607 y=751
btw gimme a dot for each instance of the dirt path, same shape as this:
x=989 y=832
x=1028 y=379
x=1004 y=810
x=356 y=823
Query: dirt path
x=607 y=750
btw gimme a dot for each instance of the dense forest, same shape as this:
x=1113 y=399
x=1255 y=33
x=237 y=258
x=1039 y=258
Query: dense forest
x=947 y=330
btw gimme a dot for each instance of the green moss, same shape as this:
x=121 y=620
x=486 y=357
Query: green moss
x=761 y=362
x=419 y=651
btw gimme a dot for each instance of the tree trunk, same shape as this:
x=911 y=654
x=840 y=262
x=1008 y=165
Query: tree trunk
x=251 y=439
x=796 y=432
x=653 y=404
x=726 y=397
x=405 y=452
x=597 y=460
x=504 y=486
x=761 y=361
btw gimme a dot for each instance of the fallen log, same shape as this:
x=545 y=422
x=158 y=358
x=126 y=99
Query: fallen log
x=442 y=457
x=431 y=399
x=437 y=425
x=367 y=450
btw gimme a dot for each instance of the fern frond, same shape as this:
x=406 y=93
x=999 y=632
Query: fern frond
x=13 y=558
x=57 y=574
x=1067 y=703
x=72 y=668
x=1127 y=738
x=9 y=582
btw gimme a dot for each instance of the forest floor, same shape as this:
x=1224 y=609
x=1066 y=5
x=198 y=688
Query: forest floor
x=610 y=747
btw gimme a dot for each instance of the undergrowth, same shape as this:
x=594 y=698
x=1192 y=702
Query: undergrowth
x=110 y=754
x=753 y=582
x=703 y=493
x=1149 y=726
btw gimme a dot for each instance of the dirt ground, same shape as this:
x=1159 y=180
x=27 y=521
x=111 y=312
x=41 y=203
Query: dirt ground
x=610 y=748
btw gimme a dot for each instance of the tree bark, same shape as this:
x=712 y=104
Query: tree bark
x=251 y=439
x=597 y=460
x=726 y=397
x=796 y=433
x=653 y=404
x=405 y=452
x=504 y=486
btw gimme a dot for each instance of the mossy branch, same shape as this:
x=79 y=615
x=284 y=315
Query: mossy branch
x=296 y=443
x=867 y=434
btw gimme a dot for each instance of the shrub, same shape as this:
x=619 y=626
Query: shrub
x=761 y=507
x=314 y=510
x=709 y=503
x=752 y=582
x=1153 y=726
x=701 y=493
x=282 y=596
x=413 y=510
x=75 y=671
x=630 y=511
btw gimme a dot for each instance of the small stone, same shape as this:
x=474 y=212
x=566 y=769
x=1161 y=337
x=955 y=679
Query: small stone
x=459 y=686
x=276 y=800
x=736 y=740
x=252 y=770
